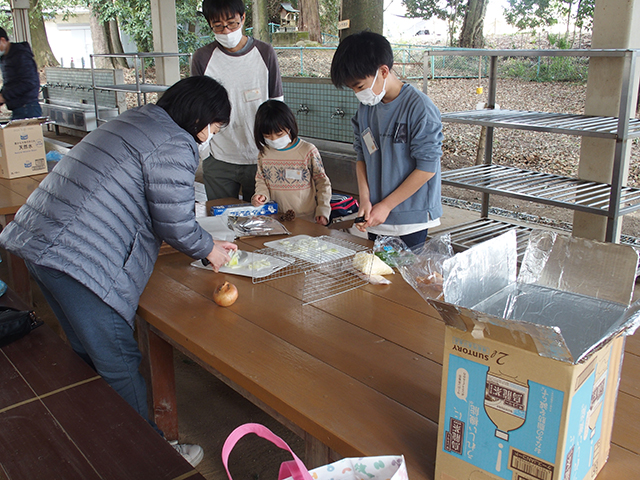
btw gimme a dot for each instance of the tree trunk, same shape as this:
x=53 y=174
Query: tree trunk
x=39 y=41
x=100 y=40
x=362 y=14
x=115 y=43
x=260 y=20
x=309 y=20
x=471 y=34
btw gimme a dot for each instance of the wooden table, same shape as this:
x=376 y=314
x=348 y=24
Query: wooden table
x=356 y=374
x=13 y=194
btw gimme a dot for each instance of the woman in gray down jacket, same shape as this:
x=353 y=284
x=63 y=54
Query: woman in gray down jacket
x=91 y=232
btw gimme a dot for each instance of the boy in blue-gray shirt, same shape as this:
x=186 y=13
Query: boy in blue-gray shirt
x=398 y=140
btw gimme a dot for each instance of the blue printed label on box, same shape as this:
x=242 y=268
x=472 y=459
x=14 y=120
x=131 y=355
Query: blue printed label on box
x=498 y=424
x=245 y=210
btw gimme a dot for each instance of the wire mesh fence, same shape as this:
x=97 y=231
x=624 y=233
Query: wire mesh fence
x=413 y=63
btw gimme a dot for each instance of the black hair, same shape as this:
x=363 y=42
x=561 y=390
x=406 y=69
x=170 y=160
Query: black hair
x=274 y=116
x=195 y=102
x=359 y=56
x=3 y=33
x=217 y=10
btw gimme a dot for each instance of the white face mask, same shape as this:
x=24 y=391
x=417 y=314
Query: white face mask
x=231 y=39
x=367 y=97
x=202 y=148
x=279 y=143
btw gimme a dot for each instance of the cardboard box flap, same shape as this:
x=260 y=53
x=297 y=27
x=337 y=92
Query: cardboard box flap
x=580 y=266
x=25 y=122
x=546 y=341
x=583 y=322
x=477 y=273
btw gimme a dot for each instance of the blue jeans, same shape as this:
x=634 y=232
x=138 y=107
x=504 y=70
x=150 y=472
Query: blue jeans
x=28 y=110
x=415 y=239
x=97 y=333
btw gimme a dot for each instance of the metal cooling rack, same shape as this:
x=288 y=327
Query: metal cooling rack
x=321 y=280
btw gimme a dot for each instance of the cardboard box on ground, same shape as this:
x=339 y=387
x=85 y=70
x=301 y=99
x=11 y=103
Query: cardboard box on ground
x=532 y=363
x=22 y=148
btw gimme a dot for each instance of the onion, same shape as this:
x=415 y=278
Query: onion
x=225 y=294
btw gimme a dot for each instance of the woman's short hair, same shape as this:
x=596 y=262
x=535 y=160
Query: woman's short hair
x=359 y=56
x=217 y=10
x=274 y=116
x=195 y=102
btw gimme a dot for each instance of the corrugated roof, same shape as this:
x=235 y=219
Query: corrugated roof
x=287 y=6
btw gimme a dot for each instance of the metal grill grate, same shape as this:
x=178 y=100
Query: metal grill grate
x=467 y=235
x=332 y=275
x=567 y=124
x=591 y=197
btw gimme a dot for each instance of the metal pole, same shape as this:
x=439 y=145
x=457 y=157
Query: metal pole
x=621 y=149
x=488 y=148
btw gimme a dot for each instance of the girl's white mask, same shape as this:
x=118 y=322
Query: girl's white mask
x=367 y=97
x=279 y=143
x=231 y=39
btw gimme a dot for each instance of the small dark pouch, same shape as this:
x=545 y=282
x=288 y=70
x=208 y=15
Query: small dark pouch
x=15 y=324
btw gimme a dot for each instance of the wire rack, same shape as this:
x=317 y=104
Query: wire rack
x=327 y=272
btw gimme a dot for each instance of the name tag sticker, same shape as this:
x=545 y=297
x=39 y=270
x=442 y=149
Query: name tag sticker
x=252 y=95
x=293 y=174
x=367 y=138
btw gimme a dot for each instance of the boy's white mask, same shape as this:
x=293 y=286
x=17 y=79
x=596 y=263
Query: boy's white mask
x=231 y=39
x=367 y=97
x=279 y=143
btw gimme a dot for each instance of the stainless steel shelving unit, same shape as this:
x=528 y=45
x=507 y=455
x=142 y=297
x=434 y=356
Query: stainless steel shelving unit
x=610 y=199
x=141 y=87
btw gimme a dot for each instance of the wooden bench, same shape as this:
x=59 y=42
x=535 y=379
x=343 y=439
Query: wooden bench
x=59 y=419
x=356 y=374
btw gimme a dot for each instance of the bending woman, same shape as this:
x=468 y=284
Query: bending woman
x=91 y=232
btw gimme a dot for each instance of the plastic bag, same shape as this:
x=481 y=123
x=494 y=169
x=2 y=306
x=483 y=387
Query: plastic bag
x=393 y=251
x=425 y=273
x=258 y=225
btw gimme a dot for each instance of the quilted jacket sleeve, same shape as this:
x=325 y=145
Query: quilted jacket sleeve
x=169 y=174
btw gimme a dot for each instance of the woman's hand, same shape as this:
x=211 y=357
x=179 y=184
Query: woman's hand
x=258 y=200
x=220 y=254
x=322 y=220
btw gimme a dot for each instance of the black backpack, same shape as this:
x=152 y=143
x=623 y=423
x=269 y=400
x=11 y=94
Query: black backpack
x=15 y=324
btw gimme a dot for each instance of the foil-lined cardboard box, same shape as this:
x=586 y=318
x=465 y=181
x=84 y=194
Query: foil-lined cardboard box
x=22 y=148
x=245 y=210
x=532 y=362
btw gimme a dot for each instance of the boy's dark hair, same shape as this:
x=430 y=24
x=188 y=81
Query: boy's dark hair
x=359 y=56
x=3 y=33
x=218 y=10
x=273 y=116
x=195 y=102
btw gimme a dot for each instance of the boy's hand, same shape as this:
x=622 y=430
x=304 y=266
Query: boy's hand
x=322 y=220
x=220 y=254
x=258 y=200
x=365 y=211
x=378 y=215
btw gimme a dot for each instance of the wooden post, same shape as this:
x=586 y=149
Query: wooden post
x=362 y=14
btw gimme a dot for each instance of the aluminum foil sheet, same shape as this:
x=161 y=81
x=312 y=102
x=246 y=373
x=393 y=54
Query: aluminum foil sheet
x=258 y=225
x=476 y=274
x=571 y=296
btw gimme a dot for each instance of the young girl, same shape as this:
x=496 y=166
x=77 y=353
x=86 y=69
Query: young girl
x=290 y=170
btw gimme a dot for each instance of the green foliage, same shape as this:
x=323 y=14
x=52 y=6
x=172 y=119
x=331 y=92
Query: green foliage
x=46 y=9
x=452 y=11
x=531 y=14
x=546 y=69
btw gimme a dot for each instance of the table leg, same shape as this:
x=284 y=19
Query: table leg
x=157 y=367
x=316 y=453
x=19 y=275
